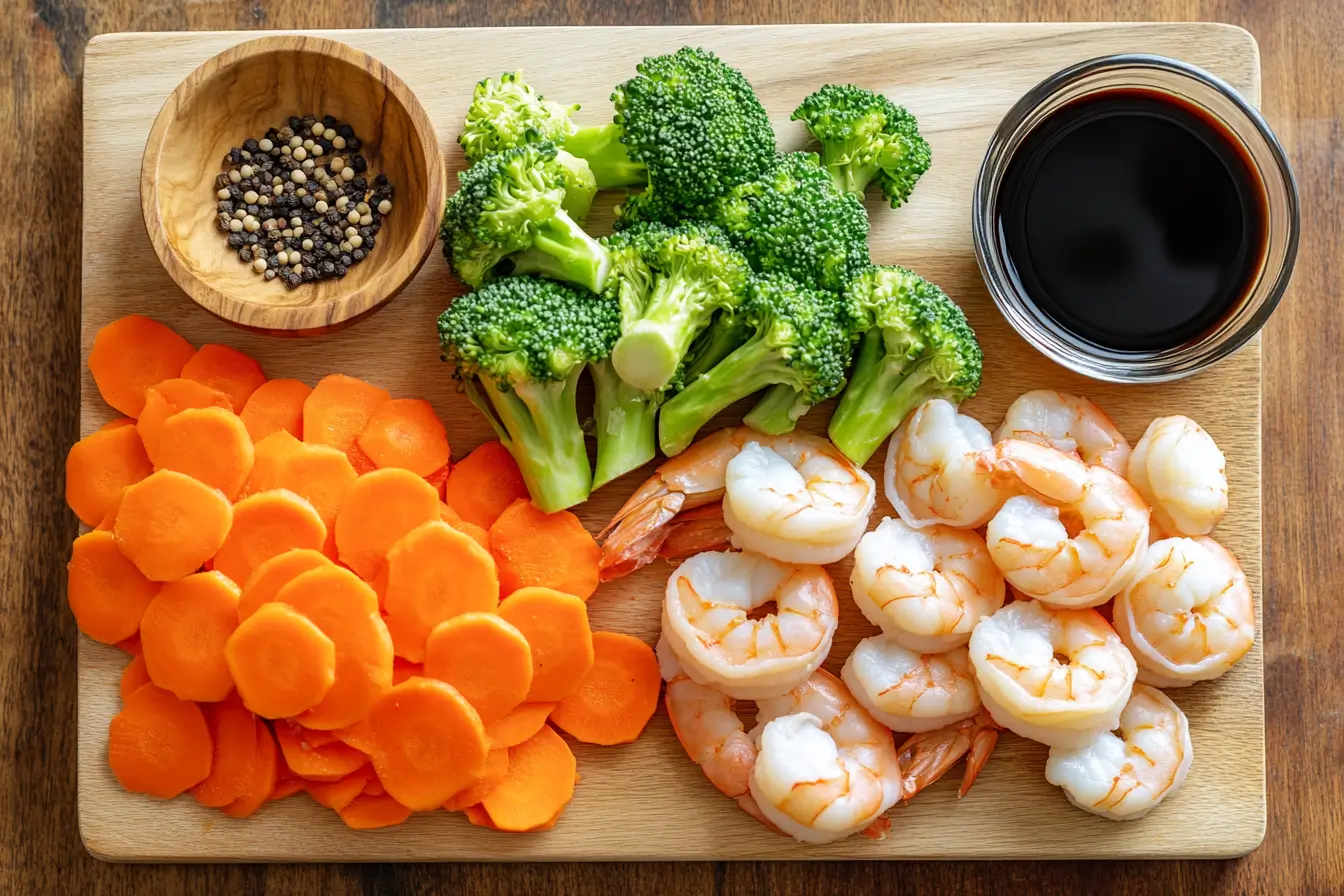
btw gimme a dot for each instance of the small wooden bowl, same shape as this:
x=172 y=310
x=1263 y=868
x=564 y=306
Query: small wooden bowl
x=241 y=93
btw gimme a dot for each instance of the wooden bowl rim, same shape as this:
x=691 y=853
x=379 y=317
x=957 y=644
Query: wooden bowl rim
x=346 y=308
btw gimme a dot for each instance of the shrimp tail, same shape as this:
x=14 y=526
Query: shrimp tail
x=926 y=757
x=639 y=533
x=984 y=737
x=878 y=830
x=696 y=531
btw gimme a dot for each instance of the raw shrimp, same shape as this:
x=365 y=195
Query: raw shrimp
x=833 y=486
x=1178 y=469
x=1060 y=677
x=1125 y=777
x=1188 y=615
x=925 y=588
x=707 y=624
x=1076 y=538
x=932 y=475
x=694 y=531
x=910 y=691
x=1070 y=423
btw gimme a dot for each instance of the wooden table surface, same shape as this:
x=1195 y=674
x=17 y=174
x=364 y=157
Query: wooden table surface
x=42 y=45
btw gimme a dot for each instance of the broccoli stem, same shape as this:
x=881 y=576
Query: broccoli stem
x=723 y=335
x=882 y=390
x=837 y=158
x=778 y=410
x=651 y=349
x=749 y=369
x=562 y=250
x=601 y=147
x=624 y=418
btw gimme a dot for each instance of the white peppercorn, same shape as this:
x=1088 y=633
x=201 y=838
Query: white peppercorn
x=336 y=163
x=338 y=141
x=298 y=176
x=347 y=174
x=300 y=154
x=221 y=194
x=307 y=245
x=250 y=197
x=385 y=206
x=321 y=207
x=365 y=220
x=251 y=224
x=246 y=171
x=295 y=142
x=353 y=217
x=282 y=257
x=265 y=145
x=319 y=129
x=259 y=265
x=362 y=208
x=356 y=241
x=235 y=176
x=235 y=226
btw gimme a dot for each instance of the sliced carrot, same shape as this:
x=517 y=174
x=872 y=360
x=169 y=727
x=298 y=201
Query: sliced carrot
x=98 y=467
x=265 y=773
x=321 y=476
x=484 y=483
x=526 y=720
x=405 y=433
x=539 y=785
x=107 y=593
x=434 y=573
x=485 y=658
x=158 y=744
x=358 y=735
x=265 y=526
x=617 y=697
x=171 y=397
x=428 y=743
x=183 y=633
x=230 y=371
x=268 y=459
x=320 y=758
x=286 y=787
x=403 y=669
x=379 y=585
x=130 y=355
x=495 y=770
x=133 y=677
x=281 y=663
x=275 y=405
x=337 y=410
x=439 y=478
x=110 y=518
x=481 y=818
x=131 y=645
x=374 y=787
x=207 y=444
x=233 y=731
x=338 y=794
x=556 y=627
x=170 y=524
x=346 y=610
x=365 y=813
x=117 y=423
x=268 y=578
x=478 y=534
x=379 y=508
x=550 y=550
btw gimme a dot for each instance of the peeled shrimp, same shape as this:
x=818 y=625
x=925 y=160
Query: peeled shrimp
x=1076 y=538
x=707 y=626
x=1125 y=777
x=932 y=475
x=1178 y=469
x=1060 y=677
x=1188 y=615
x=910 y=691
x=1069 y=423
x=925 y=588
x=795 y=497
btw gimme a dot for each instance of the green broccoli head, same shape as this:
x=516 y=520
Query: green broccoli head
x=918 y=346
x=506 y=113
x=509 y=207
x=864 y=137
x=795 y=221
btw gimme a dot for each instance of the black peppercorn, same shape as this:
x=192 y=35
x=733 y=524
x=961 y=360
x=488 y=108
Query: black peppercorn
x=341 y=270
x=237 y=241
x=361 y=164
x=250 y=145
x=346 y=131
x=346 y=261
x=360 y=185
x=270 y=274
x=368 y=244
x=222 y=182
x=333 y=216
x=235 y=193
x=226 y=206
x=381 y=180
x=273 y=261
x=306 y=258
x=253 y=239
x=235 y=156
x=308 y=201
x=353 y=144
x=254 y=210
x=329 y=121
x=328 y=268
x=295 y=124
x=245 y=253
x=222 y=221
x=358 y=254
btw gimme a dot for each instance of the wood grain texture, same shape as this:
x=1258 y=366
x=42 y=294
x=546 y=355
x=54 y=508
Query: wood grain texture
x=958 y=105
x=40 y=851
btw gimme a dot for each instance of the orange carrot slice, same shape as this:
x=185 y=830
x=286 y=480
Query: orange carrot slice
x=405 y=433
x=556 y=627
x=478 y=816
x=379 y=508
x=358 y=735
x=117 y=423
x=226 y=369
x=107 y=593
x=321 y=476
x=403 y=669
x=277 y=572
x=133 y=677
x=336 y=795
x=281 y=663
x=98 y=467
x=478 y=535
x=617 y=697
x=286 y=787
x=261 y=783
x=276 y=405
x=539 y=785
x=208 y=444
x=110 y=518
x=485 y=658
x=320 y=758
x=265 y=526
x=434 y=573
x=158 y=744
x=366 y=813
x=374 y=787
x=549 y=550
x=183 y=633
x=268 y=458
x=172 y=397
x=516 y=727
x=130 y=355
x=439 y=478
x=233 y=731
x=337 y=410
x=170 y=524
x=495 y=771
x=131 y=645
x=428 y=743
x=484 y=483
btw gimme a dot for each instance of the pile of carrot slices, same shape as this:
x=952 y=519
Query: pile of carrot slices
x=316 y=599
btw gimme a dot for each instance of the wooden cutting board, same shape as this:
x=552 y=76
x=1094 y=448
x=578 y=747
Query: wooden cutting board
x=647 y=800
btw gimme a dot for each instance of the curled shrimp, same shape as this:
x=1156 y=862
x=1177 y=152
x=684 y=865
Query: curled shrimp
x=1178 y=469
x=1188 y=614
x=1075 y=538
x=1124 y=777
x=925 y=588
x=932 y=474
x=911 y=691
x=1070 y=423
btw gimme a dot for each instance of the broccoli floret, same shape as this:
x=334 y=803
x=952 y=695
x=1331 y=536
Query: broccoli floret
x=795 y=221
x=624 y=422
x=520 y=345
x=579 y=184
x=724 y=335
x=506 y=113
x=798 y=338
x=864 y=137
x=669 y=282
x=509 y=208
x=918 y=346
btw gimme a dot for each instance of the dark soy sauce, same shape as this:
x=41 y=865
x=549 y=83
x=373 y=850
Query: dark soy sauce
x=1132 y=220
